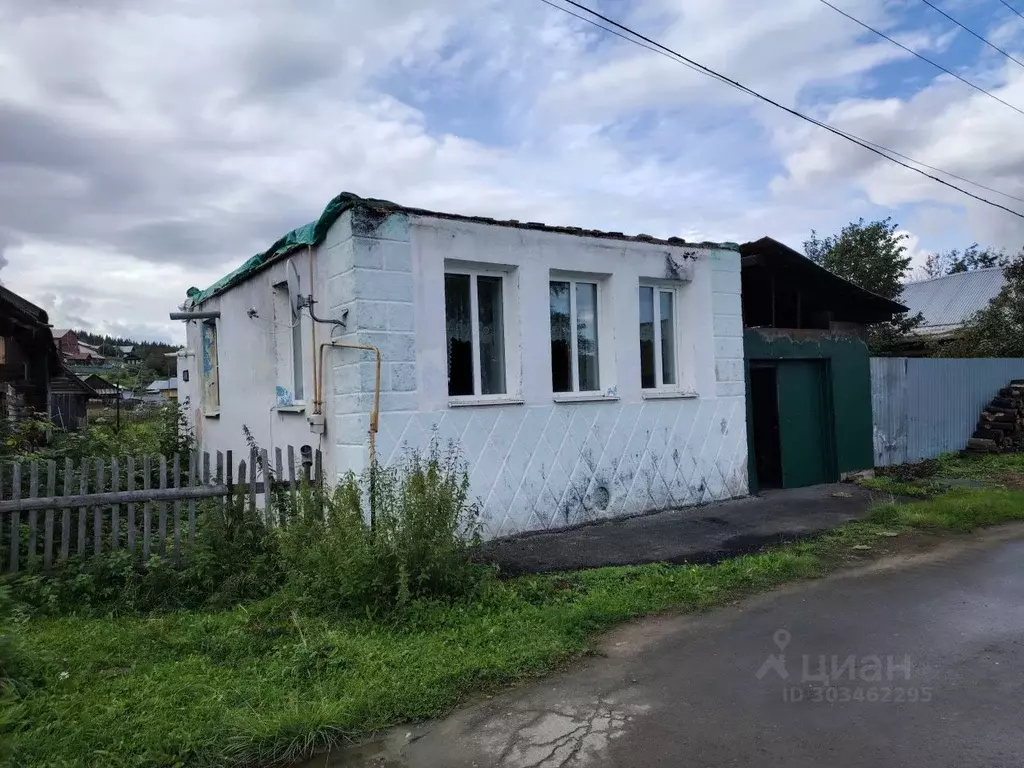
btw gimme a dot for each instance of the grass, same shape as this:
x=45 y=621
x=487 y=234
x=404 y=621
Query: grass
x=258 y=686
x=925 y=479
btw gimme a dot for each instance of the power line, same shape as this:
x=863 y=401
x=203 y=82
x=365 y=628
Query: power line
x=679 y=58
x=938 y=170
x=1012 y=8
x=618 y=34
x=923 y=58
x=991 y=45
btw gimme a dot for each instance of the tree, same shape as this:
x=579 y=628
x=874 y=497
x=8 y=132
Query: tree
x=873 y=256
x=969 y=259
x=998 y=329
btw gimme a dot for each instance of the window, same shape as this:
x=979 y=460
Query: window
x=475 y=329
x=211 y=368
x=574 y=349
x=658 y=366
x=288 y=338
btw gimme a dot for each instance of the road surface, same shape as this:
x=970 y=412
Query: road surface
x=924 y=657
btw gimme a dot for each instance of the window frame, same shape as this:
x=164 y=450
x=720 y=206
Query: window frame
x=680 y=385
x=473 y=271
x=286 y=332
x=573 y=279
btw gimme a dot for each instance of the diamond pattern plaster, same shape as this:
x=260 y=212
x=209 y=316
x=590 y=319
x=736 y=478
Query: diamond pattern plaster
x=545 y=467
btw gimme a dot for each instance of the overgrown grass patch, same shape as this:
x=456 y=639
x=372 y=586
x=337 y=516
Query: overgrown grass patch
x=265 y=683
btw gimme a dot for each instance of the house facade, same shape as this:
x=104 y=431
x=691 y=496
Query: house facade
x=582 y=374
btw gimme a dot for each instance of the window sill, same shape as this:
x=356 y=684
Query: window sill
x=470 y=400
x=585 y=397
x=670 y=394
x=212 y=414
x=293 y=408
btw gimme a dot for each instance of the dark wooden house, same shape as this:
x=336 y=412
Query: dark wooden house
x=807 y=368
x=28 y=357
x=33 y=379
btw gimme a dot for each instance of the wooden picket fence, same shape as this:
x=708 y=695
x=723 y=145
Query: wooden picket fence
x=42 y=527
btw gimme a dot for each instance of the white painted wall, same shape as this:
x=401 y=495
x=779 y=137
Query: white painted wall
x=254 y=360
x=534 y=462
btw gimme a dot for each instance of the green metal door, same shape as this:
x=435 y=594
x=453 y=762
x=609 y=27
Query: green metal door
x=805 y=433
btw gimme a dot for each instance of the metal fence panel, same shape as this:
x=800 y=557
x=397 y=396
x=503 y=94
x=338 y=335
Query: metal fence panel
x=924 y=407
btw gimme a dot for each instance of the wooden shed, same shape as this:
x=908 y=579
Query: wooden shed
x=807 y=368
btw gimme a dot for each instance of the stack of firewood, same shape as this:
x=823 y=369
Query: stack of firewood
x=1001 y=426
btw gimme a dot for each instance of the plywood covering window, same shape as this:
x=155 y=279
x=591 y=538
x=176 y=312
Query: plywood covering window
x=211 y=369
x=288 y=341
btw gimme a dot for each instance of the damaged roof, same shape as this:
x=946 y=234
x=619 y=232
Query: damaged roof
x=313 y=233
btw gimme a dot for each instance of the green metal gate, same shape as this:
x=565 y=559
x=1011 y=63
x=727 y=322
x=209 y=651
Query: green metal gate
x=805 y=434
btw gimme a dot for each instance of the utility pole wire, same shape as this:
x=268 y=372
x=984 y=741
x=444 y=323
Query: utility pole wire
x=923 y=58
x=993 y=46
x=1012 y=8
x=680 y=59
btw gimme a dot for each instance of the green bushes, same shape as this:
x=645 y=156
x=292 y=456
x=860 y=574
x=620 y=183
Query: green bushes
x=327 y=556
x=412 y=543
x=234 y=559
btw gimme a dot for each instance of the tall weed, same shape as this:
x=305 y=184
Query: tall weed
x=374 y=551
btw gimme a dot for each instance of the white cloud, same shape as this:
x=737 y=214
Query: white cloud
x=143 y=151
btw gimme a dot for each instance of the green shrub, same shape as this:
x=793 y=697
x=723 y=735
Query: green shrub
x=12 y=659
x=413 y=542
x=234 y=559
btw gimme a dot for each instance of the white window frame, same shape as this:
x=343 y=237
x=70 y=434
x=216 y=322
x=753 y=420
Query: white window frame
x=681 y=379
x=509 y=318
x=605 y=338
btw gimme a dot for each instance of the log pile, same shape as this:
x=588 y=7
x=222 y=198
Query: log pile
x=1000 y=428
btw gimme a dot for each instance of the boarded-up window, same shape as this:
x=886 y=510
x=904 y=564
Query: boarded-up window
x=211 y=368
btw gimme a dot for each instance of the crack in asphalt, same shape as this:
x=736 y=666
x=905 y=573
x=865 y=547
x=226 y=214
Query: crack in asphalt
x=560 y=737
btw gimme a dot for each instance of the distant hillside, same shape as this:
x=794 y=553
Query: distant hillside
x=150 y=353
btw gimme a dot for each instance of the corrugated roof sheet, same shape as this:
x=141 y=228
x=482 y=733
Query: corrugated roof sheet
x=947 y=302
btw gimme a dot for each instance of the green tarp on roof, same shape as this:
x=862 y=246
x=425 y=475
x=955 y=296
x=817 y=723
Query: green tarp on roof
x=305 y=236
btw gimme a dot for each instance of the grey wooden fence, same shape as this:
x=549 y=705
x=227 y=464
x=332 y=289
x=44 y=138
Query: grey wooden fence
x=50 y=512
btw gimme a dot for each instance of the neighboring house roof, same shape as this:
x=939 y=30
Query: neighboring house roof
x=101 y=385
x=60 y=332
x=126 y=350
x=30 y=322
x=312 y=234
x=163 y=384
x=65 y=381
x=851 y=302
x=948 y=302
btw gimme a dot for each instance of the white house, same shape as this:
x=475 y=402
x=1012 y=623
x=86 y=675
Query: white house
x=584 y=374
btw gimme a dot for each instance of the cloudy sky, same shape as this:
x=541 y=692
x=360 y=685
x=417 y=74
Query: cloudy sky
x=149 y=146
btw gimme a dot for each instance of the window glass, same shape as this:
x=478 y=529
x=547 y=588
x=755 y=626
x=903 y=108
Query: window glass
x=458 y=319
x=491 y=335
x=648 y=377
x=668 y=339
x=586 y=336
x=561 y=337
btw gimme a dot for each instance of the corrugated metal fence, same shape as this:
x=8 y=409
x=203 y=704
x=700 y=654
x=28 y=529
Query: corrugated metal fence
x=924 y=407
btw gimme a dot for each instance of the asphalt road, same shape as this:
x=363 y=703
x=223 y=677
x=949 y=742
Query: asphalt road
x=690 y=535
x=937 y=649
